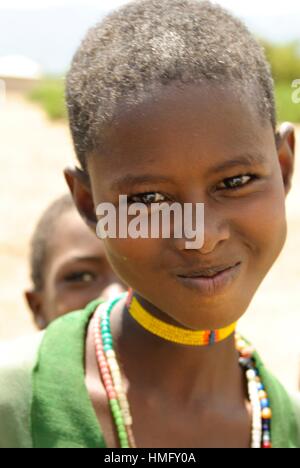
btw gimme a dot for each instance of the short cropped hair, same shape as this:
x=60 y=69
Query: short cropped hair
x=40 y=242
x=148 y=44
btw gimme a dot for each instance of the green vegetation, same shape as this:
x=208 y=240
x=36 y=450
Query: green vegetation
x=287 y=110
x=49 y=93
x=285 y=63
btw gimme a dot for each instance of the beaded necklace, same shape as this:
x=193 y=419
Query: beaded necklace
x=176 y=334
x=112 y=380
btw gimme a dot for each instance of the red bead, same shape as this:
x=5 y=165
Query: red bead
x=109 y=388
x=107 y=380
x=266 y=445
x=105 y=372
x=102 y=362
x=112 y=395
x=247 y=352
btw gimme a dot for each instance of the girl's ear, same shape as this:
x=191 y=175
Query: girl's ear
x=285 y=140
x=80 y=188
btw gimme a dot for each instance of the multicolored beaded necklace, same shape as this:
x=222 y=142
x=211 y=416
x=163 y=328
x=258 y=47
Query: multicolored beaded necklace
x=112 y=378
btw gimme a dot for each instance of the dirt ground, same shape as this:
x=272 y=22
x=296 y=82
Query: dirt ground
x=33 y=153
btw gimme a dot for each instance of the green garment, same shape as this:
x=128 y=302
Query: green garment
x=44 y=402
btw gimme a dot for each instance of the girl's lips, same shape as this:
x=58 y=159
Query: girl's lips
x=210 y=286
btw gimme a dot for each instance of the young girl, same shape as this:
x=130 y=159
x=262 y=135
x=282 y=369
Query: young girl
x=68 y=265
x=169 y=101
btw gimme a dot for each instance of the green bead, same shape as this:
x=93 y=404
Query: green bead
x=114 y=403
x=122 y=434
x=106 y=335
x=119 y=420
x=121 y=430
x=105 y=322
x=113 y=304
x=116 y=413
x=107 y=347
x=108 y=342
x=124 y=442
x=124 y=445
x=105 y=329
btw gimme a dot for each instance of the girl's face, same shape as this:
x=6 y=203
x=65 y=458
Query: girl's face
x=75 y=272
x=196 y=145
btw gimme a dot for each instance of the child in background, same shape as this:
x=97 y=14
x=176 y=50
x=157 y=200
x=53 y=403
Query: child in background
x=169 y=100
x=68 y=265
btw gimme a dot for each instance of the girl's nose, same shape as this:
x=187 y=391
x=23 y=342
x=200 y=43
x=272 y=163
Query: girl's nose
x=216 y=231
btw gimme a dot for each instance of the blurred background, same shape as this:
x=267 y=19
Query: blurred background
x=37 y=41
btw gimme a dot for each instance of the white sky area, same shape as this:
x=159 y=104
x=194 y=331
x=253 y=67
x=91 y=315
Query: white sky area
x=49 y=31
x=240 y=7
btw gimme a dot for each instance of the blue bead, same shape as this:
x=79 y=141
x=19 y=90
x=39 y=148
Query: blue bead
x=264 y=403
x=212 y=337
x=260 y=387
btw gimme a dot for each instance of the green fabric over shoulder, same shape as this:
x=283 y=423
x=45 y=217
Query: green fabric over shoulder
x=285 y=428
x=62 y=412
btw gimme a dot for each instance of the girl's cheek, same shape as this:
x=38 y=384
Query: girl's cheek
x=135 y=251
x=264 y=222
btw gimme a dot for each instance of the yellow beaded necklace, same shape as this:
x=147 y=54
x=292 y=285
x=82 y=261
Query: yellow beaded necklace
x=173 y=333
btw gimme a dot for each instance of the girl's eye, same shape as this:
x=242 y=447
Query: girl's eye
x=233 y=183
x=147 y=198
x=80 y=277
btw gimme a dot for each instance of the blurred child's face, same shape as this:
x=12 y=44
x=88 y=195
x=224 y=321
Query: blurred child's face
x=76 y=270
x=185 y=137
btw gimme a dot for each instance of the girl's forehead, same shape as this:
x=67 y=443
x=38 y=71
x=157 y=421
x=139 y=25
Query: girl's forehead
x=186 y=115
x=182 y=128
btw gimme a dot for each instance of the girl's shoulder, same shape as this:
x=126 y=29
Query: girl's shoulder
x=285 y=425
x=17 y=360
x=295 y=399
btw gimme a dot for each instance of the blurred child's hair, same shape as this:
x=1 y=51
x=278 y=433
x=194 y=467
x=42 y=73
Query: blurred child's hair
x=40 y=242
x=148 y=44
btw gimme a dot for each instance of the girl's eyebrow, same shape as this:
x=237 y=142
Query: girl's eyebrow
x=246 y=159
x=130 y=180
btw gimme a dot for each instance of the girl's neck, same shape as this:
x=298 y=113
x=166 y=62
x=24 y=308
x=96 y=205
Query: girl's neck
x=210 y=374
